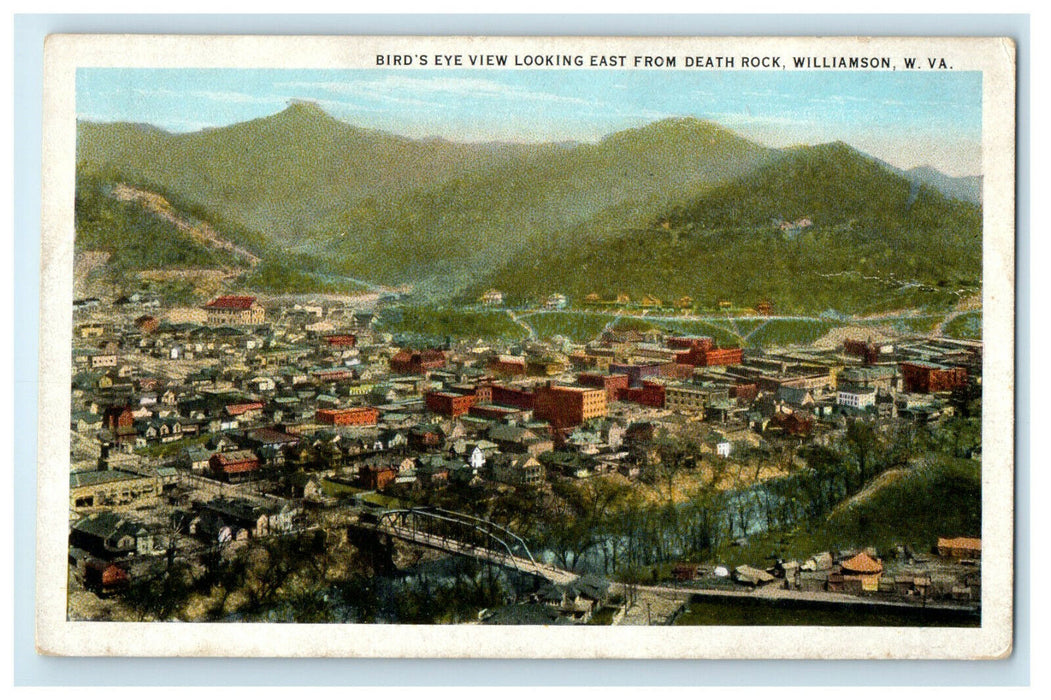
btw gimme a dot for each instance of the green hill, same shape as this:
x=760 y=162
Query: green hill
x=282 y=175
x=680 y=207
x=135 y=238
x=867 y=239
x=396 y=210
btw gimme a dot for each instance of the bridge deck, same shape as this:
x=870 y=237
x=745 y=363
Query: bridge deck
x=546 y=571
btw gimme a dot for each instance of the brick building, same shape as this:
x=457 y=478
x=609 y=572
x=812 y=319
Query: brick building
x=650 y=394
x=358 y=415
x=376 y=477
x=516 y=397
x=928 y=377
x=341 y=340
x=612 y=384
x=636 y=372
x=417 y=362
x=566 y=406
x=508 y=365
x=449 y=403
x=233 y=466
x=710 y=357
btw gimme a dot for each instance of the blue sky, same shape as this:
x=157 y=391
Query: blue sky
x=906 y=118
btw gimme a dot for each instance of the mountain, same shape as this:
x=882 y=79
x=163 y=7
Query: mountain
x=811 y=228
x=399 y=210
x=679 y=207
x=966 y=189
x=281 y=175
x=479 y=219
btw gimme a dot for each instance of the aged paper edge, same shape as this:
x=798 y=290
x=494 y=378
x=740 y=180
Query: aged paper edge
x=995 y=57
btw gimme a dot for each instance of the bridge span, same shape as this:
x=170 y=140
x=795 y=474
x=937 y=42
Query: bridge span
x=464 y=535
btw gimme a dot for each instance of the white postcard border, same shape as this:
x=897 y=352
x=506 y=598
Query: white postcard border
x=56 y=635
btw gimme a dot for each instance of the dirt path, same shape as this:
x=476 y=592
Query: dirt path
x=200 y=231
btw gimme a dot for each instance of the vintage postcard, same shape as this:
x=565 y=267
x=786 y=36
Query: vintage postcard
x=527 y=347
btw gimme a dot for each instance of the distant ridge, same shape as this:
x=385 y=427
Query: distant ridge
x=674 y=207
x=966 y=189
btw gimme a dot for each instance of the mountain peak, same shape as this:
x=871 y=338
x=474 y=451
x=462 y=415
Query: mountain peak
x=304 y=109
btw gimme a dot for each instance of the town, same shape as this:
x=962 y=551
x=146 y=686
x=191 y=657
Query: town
x=259 y=459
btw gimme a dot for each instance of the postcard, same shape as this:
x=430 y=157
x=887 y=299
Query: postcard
x=587 y=347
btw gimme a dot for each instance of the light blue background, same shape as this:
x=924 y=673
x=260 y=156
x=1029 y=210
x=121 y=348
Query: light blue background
x=31 y=669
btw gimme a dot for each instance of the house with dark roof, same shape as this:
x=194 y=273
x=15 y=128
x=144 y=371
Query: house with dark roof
x=109 y=535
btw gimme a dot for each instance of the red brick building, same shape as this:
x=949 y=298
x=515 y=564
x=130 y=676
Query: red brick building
x=710 y=357
x=449 y=403
x=566 y=406
x=649 y=394
x=508 y=366
x=333 y=375
x=233 y=465
x=868 y=352
x=342 y=340
x=516 y=397
x=673 y=370
x=928 y=377
x=417 y=362
x=358 y=415
x=612 y=384
x=376 y=477
x=120 y=421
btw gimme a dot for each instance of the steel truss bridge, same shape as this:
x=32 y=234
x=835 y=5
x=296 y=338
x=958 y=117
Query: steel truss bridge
x=465 y=535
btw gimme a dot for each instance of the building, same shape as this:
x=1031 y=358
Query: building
x=960 y=547
x=612 y=384
x=687 y=399
x=492 y=297
x=651 y=393
x=341 y=340
x=635 y=372
x=514 y=396
x=358 y=415
x=700 y=356
x=417 y=362
x=567 y=406
x=863 y=570
x=234 y=311
x=233 y=465
x=878 y=376
x=376 y=477
x=517 y=470
x=858 y=399
x=545 y=366
x=687 y=342
x=112 y=488
x=929 y=377
x=507 y=365
x=448 y=403
x=109 y=535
